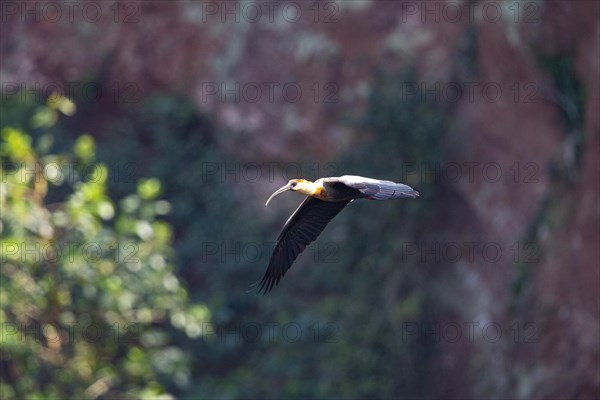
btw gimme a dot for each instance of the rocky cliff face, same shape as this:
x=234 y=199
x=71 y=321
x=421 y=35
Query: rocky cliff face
x=521 y=80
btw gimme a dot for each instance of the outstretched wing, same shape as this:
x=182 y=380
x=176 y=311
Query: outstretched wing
x=301 y=229
x=376 y=189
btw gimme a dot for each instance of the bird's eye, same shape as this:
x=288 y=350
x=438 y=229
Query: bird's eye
x=294 y=184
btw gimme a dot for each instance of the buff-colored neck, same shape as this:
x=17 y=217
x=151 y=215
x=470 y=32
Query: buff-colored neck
x=309 y=188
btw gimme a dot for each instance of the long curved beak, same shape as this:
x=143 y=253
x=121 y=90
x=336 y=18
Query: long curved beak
x=278 y=191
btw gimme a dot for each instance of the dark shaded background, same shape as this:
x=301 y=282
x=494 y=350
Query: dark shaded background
x=487 y=286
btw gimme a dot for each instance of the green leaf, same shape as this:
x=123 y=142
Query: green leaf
x=85 y=148
x=17 y=145
x=149 y=189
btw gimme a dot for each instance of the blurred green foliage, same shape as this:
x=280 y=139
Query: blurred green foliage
x=88 y=291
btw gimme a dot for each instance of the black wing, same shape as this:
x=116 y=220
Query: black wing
x=376 y=189
x=301 y=229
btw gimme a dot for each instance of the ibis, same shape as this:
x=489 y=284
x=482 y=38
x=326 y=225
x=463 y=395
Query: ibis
x=326 y=197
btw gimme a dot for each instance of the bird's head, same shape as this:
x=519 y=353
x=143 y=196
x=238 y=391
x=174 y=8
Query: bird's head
x=296 y=185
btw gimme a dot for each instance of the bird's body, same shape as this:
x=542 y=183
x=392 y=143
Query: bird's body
x=326 y=198
x=331 y=190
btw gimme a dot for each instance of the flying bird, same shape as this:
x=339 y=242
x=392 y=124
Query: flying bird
x=326 y=198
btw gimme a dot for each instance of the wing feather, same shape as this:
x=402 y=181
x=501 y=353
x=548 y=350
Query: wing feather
x=377 y=189
x=301 y=229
